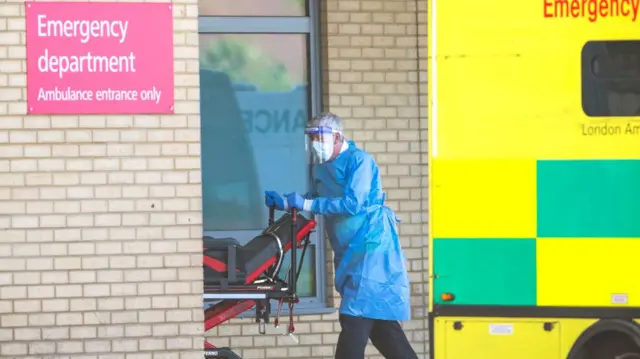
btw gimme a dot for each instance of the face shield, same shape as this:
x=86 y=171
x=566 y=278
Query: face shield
x=320 y=141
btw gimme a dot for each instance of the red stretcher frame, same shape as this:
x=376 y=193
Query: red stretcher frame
x=231 y=308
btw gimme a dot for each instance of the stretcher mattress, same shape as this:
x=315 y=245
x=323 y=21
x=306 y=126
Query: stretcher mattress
x=256 y=256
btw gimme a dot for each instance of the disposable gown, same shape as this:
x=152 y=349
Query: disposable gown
x=370 y=271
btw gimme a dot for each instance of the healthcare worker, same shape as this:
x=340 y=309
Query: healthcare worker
x=370 y=271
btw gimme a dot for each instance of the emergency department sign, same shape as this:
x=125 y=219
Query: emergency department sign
x=99 y=58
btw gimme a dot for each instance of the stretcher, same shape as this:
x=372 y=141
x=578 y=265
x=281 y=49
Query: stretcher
x=240 y=277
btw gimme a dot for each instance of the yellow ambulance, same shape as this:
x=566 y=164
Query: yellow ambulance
x=534 y=168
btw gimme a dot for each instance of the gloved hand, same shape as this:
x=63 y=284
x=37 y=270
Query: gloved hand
x=295 y=200
x=272 y=198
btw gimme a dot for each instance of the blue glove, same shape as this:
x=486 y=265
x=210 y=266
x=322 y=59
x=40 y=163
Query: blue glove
x=272 y=198
x=295 y=200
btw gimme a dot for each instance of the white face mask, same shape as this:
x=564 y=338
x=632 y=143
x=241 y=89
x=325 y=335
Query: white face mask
x=322 y=150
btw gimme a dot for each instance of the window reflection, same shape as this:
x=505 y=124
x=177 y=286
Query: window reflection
x=254 y=106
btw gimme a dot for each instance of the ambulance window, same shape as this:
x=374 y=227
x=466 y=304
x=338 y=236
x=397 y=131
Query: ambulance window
x=611 y=78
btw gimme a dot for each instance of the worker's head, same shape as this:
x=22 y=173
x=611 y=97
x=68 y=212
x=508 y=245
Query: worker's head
x=324 y=136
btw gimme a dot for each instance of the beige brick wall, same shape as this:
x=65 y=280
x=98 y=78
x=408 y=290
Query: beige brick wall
x=374 y=72
x=100 y=234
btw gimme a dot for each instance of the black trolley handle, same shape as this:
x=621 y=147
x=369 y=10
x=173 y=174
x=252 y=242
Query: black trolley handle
x=293 y=275
x=272 y=213
x=294 y=251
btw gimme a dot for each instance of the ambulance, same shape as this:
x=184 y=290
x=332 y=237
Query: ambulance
x=534 y=179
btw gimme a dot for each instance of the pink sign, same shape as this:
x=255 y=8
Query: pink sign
x=99 y=58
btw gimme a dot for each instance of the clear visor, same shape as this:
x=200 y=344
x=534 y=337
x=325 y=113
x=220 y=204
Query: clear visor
x=319 y=142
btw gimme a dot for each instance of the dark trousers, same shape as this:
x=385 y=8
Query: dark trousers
x=387 y=336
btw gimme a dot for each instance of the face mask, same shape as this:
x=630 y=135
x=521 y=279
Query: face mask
x=323 y=151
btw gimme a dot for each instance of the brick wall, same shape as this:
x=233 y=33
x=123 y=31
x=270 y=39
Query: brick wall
x=374 y=72
x=100 y=235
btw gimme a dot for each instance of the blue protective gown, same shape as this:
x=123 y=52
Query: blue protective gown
x=370 y=271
